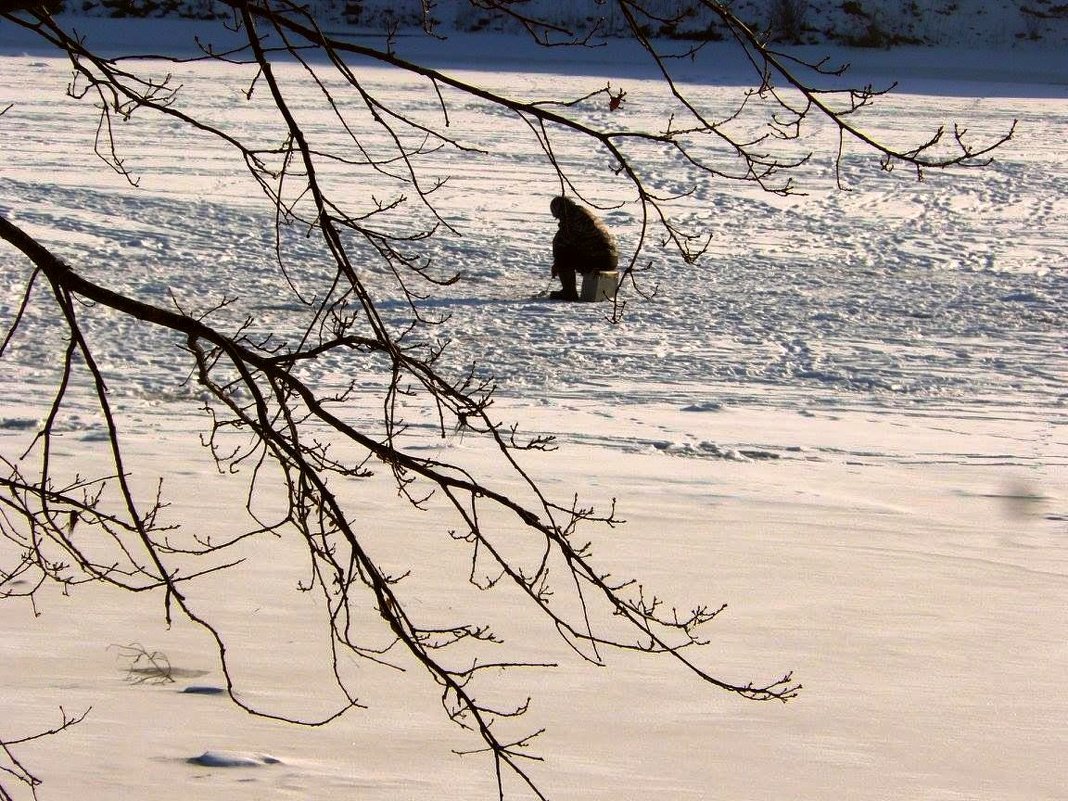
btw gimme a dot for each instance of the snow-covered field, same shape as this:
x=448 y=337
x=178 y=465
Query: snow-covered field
x=849 y=423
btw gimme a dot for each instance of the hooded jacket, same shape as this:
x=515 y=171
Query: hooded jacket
x=582 y=242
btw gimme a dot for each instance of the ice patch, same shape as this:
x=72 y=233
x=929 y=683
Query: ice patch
x=1024 y=296
x=711 y=450
x=706 y=406
x=204 y=689
x=233 y=759
x=95 y=435
x=18 y=423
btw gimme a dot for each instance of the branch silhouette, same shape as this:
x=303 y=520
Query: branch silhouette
x=295 y=437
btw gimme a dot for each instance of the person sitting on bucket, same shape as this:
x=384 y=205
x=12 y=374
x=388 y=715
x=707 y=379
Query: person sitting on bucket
x=582 y=245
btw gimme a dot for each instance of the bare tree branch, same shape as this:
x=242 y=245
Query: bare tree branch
x=12 y=768
x=265 y=416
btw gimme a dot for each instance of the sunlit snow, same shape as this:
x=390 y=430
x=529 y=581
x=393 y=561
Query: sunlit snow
x=848 y=422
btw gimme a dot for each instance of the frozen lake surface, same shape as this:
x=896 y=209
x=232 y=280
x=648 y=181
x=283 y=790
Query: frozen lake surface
x=849 y=421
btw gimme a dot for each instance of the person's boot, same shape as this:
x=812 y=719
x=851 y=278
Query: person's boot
x=567 y=281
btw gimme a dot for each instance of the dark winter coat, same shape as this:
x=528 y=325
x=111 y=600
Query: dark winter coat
x=582 y=243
